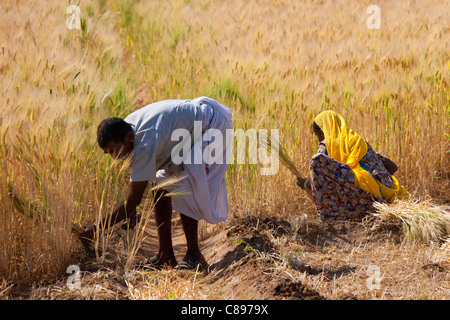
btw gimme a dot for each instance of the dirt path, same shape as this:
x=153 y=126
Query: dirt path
x=240 y=258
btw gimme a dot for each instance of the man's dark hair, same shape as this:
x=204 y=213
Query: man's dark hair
x=112 y=129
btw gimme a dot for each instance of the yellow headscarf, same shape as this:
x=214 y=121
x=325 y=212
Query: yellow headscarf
x=346 y=146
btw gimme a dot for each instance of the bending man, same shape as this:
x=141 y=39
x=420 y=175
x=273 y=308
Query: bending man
x=151 y=137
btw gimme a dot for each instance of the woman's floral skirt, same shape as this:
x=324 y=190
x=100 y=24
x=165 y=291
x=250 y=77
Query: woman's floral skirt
x=334 y=192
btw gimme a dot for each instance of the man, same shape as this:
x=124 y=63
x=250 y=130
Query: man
x=151 y=137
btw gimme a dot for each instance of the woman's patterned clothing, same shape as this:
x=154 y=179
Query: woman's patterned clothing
x=333 y=185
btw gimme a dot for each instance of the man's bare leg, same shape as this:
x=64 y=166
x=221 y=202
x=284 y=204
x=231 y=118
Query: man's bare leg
x=163 y=217
x=190 y=227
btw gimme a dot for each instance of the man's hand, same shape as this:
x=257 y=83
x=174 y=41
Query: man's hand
x=132 y=222
x=87 y=235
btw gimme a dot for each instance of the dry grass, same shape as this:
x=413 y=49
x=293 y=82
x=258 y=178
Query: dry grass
x=168 y=285
x=54 y=93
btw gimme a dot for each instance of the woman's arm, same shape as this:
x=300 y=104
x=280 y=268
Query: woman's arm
x=390 y=166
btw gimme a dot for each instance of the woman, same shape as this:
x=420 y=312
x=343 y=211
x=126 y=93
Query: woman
x=347 y=175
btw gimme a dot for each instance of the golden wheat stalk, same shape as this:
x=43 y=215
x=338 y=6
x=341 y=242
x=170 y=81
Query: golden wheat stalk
x=278 y=150
x=421 y=220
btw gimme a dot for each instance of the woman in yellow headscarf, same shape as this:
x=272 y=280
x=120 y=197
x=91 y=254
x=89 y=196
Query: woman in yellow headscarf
x=347 y=175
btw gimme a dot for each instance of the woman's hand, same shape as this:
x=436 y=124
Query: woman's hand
x=304 y=184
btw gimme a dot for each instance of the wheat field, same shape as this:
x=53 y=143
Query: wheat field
x=275 y=63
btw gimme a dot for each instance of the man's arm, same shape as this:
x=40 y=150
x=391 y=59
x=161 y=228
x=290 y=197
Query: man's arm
x=128 y=210
x=124 y=211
